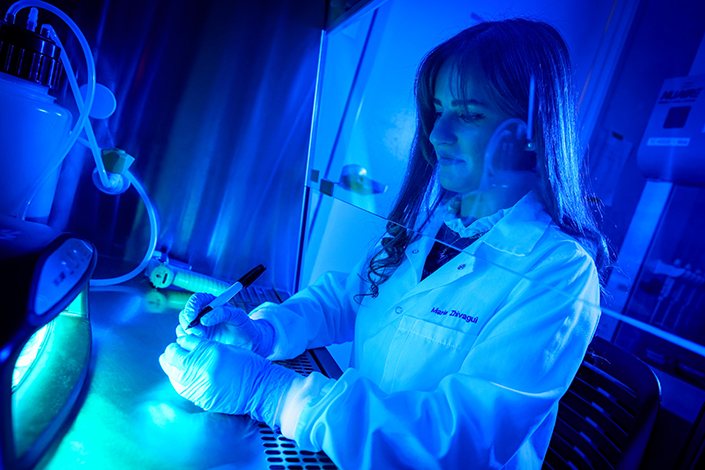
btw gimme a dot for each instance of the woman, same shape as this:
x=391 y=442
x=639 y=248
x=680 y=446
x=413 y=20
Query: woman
x=459 y=357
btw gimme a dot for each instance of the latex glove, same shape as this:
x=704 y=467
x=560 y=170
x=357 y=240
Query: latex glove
x=226 y=379
x=227 y=325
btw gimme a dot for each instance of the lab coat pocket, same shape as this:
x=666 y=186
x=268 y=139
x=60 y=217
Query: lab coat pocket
x=422 y=353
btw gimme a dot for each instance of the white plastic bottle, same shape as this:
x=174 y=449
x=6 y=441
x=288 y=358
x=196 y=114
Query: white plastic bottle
x=33 y=128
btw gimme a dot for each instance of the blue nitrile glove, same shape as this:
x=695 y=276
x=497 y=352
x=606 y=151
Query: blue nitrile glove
x=227 y=325
x=226 y=379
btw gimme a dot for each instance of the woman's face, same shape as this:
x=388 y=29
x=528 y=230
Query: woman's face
x=461 y=131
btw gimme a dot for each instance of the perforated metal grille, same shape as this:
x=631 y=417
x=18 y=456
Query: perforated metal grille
x=303 y=364
x=283 y=454
x=254 y=295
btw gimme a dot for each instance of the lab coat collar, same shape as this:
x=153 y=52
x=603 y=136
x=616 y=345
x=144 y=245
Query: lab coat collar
x=526 y=215
x=501 y=226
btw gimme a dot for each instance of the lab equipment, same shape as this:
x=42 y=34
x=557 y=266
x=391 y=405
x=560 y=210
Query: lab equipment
x=33 y=181
x=250 y=277
x=673 y=142
x=33 y=127
x=163 y=275
x=45 y=338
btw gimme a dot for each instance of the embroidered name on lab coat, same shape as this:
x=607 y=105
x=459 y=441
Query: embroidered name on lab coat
x=454 y=313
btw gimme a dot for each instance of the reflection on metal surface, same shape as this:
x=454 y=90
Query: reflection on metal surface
x=161 y=414
x=168 y=432
x=164 y=301
x=133 y=418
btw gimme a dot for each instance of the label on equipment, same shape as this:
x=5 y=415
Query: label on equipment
x=668 y=141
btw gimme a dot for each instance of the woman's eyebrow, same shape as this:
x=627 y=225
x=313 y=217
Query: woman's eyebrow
x=458 y=103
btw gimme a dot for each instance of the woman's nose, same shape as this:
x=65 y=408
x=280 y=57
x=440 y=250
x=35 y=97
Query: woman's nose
x=442 y=133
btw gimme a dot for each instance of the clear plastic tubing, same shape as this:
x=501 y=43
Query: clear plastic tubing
x=83 y=123
x=104 y=178
x=90 y=91
x=153 y=227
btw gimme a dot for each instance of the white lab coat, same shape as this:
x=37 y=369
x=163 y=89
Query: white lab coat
x=461 y=370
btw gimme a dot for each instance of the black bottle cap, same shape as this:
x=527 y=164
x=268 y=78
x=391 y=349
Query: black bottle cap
x=26 y=54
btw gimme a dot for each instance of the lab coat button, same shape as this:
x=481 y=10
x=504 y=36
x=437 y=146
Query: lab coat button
x=414 y=251
x=462 y=266
x=398 y=310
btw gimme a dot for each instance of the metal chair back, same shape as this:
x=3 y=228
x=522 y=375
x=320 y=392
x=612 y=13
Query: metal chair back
x=606 y=417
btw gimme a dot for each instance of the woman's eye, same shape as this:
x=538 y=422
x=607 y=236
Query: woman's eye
x=467 y=118
x=470 y=118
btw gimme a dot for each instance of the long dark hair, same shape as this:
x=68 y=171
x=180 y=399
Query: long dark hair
x=505 y=55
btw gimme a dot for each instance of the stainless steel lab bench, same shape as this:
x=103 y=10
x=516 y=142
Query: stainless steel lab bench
x=132 y=418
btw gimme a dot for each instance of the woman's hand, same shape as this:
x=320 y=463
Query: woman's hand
x=226 y=379
x=227 y=325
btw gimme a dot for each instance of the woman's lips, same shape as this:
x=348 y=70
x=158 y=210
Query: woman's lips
x=447 y=160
